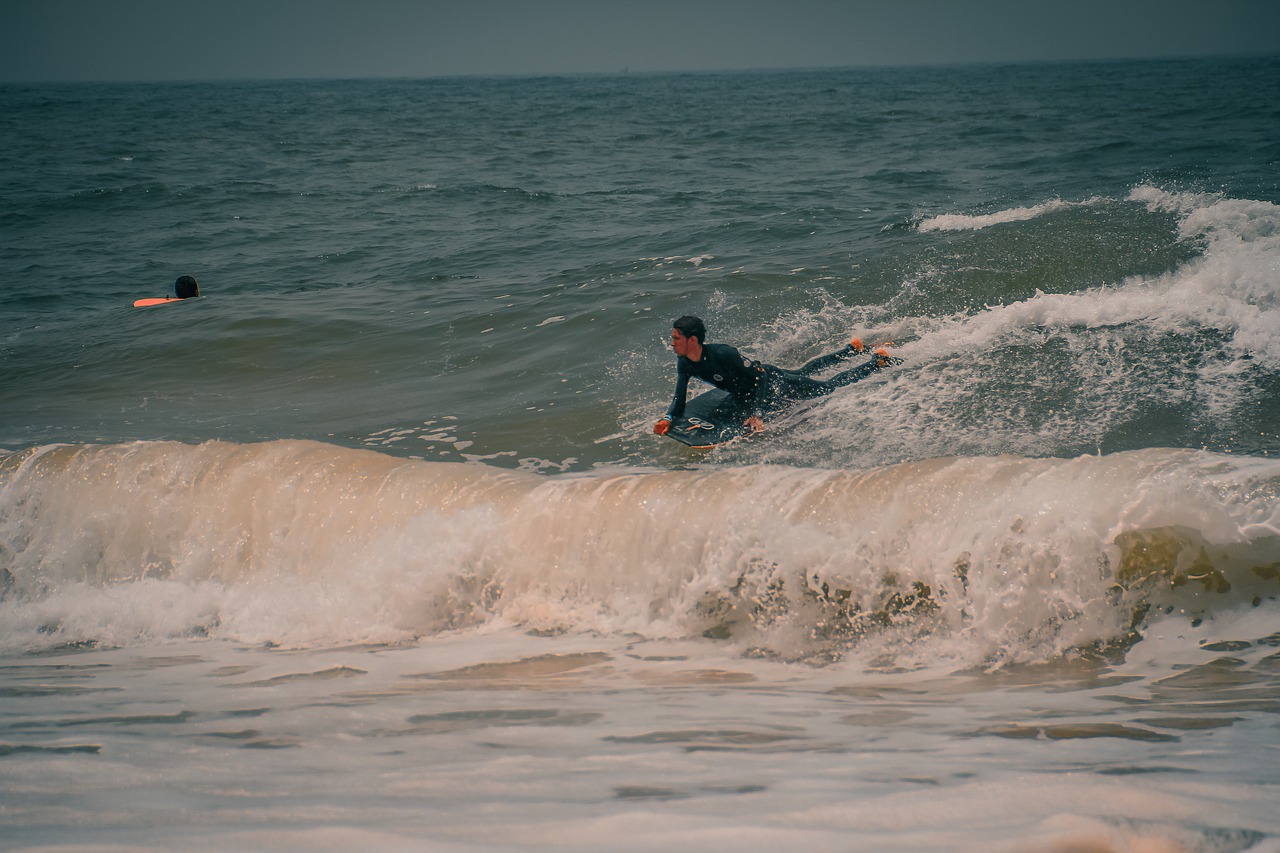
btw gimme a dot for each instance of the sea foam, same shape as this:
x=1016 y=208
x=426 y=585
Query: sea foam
x=302 y=543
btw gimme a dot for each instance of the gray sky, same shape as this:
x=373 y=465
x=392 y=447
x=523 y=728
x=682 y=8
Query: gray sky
x=220 y=39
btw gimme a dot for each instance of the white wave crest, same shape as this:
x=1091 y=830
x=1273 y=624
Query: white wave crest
x=976 y=222
x=301 y=543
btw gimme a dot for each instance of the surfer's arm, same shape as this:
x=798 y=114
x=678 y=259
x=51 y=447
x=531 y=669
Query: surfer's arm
x=755 y=408
x=677 y=400
x=758 y=403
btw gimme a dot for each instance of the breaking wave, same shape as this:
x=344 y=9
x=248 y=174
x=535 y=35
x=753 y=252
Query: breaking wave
x=307 y=544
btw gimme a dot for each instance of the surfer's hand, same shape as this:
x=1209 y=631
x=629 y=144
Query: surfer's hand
x=661 y=427
x=754 y=423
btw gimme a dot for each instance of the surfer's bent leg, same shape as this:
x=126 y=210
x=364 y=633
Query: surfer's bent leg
x=862 y=371
x=822 y=362
x=790 y=386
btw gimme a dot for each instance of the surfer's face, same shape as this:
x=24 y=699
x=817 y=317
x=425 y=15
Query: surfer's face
x=680 y=343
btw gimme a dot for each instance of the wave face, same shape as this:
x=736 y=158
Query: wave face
x=300 y=543
x=1183 y=356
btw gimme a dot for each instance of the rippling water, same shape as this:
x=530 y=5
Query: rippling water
x=372 y=545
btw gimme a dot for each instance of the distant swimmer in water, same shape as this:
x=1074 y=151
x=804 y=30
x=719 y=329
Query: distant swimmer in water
x=186 y=287
x=757 y=387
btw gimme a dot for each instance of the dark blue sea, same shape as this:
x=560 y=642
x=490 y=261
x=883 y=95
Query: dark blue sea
x=372 y=545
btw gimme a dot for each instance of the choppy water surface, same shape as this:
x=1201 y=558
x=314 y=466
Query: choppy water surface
x=372 y=546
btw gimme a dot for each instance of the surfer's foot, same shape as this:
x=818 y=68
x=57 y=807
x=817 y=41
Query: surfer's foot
x=881 y=355
x=883 y=359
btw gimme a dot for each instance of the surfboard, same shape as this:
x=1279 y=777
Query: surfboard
x=710 y=418
x=714 y=417
x=156 y=300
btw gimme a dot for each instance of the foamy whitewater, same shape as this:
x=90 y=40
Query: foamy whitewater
x=371 y=546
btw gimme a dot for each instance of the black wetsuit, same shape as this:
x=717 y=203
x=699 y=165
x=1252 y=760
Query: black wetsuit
x=761 y=388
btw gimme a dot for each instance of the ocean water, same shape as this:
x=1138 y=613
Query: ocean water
x=371 y=546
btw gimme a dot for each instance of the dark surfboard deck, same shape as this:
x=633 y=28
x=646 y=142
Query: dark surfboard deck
x=710 y=418
x=714 y=418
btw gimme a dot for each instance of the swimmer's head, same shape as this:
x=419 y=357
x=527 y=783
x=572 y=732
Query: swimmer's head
x=186 y=287
x=691 y=327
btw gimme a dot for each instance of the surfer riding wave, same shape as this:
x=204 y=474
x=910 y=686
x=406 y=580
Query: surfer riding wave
x=757 y=387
